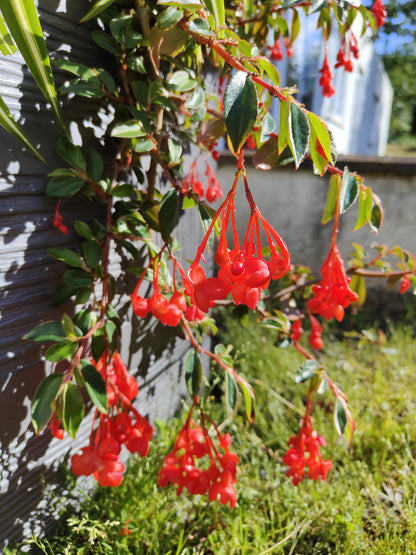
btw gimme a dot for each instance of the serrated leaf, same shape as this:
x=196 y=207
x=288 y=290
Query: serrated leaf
x=240 y=108
x=91 y=251
x=298 y=132
x=61 y=351
x=193 y=372
x=306 y=371
x=168 y=213
x=73 y=409
x=42 y=404
x=340 y=417
x=96 y=387
x=230 y=391
x=48 y=331
x=349 y=191
x=331 y=199
x=66 y=255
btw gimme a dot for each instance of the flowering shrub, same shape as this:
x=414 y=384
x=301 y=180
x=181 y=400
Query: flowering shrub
x=157 y=98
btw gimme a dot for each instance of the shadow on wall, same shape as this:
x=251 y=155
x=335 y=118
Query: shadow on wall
x=28 y=276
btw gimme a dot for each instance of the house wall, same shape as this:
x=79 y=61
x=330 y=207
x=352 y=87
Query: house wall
x=31 y=466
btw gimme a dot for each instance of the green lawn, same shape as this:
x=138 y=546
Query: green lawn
x=367 y=505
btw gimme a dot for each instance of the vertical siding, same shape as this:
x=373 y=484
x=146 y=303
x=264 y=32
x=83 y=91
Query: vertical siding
x=30 y=465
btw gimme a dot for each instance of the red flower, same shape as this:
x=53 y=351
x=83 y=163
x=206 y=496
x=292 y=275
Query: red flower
x=276 y=51
x=404 y=284
x=304 y=454
x=315 y=339
x=379 y=12
x=332 y=294
x=58 y=220
x=326 y=78
x=296 y=330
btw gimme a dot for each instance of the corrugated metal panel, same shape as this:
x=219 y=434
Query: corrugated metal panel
x=30 y=465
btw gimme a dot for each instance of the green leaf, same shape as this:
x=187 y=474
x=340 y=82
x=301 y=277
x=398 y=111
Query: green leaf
x=61 y=351
x=23 y=22
x=83 y=229
x=66 y=255
x=365 y=205
x=306 y=371
x=230 y=391
x=340 y=417
x=248 y=395
x=48 y=331
x=144 y=145
x=193 y=372
x=78 y=278
x=128 y=130
x=377 y=214
x=106 y=42
x=183 y=4
x=7 y=121
x=175 y=152
x=295 y=27
x=110 y=328
x=298 y=133
x=349 y=191
x=291 y=3
x=319 y=143
x=270 y=69
x=240 y=108
x=205 y=216
x=78 y=69
x=331 y=199
x=95 y=164
x=217 y=9
x=82 y=88
x=98 y=7
x=96 y=387
x=169 y=18
x=61 y=187
x=7 y=45
x=200 y=26
x=267 y=127
x=73 y=409
x=91 y=251
x=283 y=138
x=42 y=405
x=316 y=6
x=181 y=81
x=168 y=213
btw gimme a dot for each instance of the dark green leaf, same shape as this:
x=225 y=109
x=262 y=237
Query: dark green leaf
x=169 y=17
x=340 y=417
x=97 y=8
x=48 y=331
x=267 y=127
x=62 y=293
x=316 y=6
x=78 y=278
x=110 y=328
x=73 y=409
x=70 y=153
x=298 y=133
x=96 y=388
x=42 y=405
x=291 y=3
x=306 y=371
x=200 y=26
x=83 y=229
x=349 y=191
x=377 y=214
x=106 y=42
x=168 y=213
x=91 y=251
x=61 y=187
x=98 y=344
x=230 y=391
x=61 y=351
x=66 y=255
x=82 y=88
x=240 y=108
x=78 y=69
x=95 y=164
x=193 y=372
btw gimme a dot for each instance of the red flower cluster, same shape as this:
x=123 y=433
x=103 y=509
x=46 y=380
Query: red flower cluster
x=101 y=456
x=192 y=179
x=196 y=464
x=276 y=51
x=315 y=336
x=168 y=311
x=304 y=454
x=289 y=48
x=344 y=60
x=332 y=294
x=379 y=12
x=326 y=78
x=58 y=220
x=243 y=270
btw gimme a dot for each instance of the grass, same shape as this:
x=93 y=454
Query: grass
x=367 y=505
